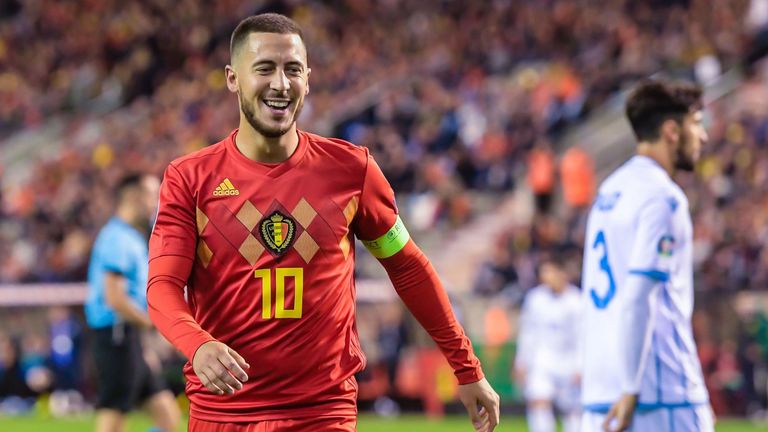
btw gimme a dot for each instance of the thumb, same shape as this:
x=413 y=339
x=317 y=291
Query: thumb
x=238 y=358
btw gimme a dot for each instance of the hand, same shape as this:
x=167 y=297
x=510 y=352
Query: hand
x=619 y=417
x=220 y=368
x=482 y=404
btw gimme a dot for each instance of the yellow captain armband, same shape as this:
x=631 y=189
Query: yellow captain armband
x=392 y=242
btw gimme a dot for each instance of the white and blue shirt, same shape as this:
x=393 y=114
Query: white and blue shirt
x=640 y=225
x=550 y=331
x=119 y=248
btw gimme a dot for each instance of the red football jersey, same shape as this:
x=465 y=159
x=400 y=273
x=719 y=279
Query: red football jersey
x=272 y=278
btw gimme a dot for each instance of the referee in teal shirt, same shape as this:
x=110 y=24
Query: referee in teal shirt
x=116 y=311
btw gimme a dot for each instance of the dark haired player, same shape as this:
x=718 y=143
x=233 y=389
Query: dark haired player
x=641 y=368
x=260 y=228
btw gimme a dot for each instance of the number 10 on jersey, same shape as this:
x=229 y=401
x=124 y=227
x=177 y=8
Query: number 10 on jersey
x=297 y=273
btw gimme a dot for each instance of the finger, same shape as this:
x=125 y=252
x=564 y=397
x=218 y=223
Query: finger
x=492 y=407
x=489 y=409
x=209 y=384
x=619 y=424
x=474 y=414
x=484 y=417
x=482 y=411
x=233 y=365
x=240 y=360
x=607 y=422
x=484 y=425
x=226 y=388
x=226 y=376
x=623 y=424
x=220 y=377
x=215 y=389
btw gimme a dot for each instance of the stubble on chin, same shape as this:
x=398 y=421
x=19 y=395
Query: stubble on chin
x=249 y=112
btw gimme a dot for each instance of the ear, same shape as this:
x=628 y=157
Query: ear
x=231 y=78
x=309 y=71
x=671 y=131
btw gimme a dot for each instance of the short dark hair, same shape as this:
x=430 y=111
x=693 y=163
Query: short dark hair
x=551 y=257
x=653 y=102
x=262 y=23
x=555 y=258
x=128 y=181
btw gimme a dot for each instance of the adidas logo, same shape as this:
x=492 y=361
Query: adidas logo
x=226 y=188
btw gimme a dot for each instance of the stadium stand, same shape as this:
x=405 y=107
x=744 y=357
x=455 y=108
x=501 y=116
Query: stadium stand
x=451 y=100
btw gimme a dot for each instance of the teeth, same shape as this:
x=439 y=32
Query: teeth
x=277 y=104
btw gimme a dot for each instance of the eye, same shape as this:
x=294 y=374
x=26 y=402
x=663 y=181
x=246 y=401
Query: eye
x=294 y=70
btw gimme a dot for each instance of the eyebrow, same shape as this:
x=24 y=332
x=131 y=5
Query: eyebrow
x=272 y=62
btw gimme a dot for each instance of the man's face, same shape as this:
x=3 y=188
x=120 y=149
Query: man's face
x=553 y=276
x=692 y=138
x=271 y=78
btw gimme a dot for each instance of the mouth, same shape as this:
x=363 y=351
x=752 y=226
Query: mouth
x=278 y=107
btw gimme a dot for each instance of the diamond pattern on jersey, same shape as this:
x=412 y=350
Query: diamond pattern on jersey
x=246 y=237
x=203 y=251
x=349 y=213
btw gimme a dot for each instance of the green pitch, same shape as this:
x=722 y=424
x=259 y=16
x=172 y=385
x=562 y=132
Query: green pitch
x=368 y=423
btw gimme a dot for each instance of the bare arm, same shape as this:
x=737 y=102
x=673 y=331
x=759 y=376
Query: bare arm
x=117 y=299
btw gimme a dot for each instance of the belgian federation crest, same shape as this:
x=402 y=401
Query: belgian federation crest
x=278 y=232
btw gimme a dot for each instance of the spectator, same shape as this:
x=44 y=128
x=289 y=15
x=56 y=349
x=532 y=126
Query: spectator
x=541 y=176
x=577 y=176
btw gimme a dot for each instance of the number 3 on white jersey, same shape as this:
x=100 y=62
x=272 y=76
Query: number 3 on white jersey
x=601 y=302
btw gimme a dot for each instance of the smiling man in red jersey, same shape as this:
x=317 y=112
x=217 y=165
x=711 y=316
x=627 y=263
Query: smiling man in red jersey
x=260 y=228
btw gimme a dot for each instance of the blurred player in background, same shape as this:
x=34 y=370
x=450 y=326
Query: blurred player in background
x=641 y=369
x=548 y=344
x=260 y=228
x=116 y=310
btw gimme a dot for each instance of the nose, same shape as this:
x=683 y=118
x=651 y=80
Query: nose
x=280 y=81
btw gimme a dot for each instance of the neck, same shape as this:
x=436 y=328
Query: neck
x=557 y=290
x=658 y=152
x=260 y=148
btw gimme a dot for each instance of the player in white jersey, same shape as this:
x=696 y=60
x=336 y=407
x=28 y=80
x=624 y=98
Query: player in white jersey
x=548 y=348
x=641 y=369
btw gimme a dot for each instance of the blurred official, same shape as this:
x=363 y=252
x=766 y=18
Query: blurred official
x=116 y=310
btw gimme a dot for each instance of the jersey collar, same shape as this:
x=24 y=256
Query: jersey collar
x=269 y=169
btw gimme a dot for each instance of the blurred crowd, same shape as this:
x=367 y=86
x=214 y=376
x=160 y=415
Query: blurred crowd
x=45 y=359
x=450 y=95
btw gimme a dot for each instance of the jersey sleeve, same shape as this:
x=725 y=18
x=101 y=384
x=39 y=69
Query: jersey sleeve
x=649 y=268
x=379 y=227
x=654 y=242
x=171 y=254
x=117 y=259
x=175 y=230
x=377 y=223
